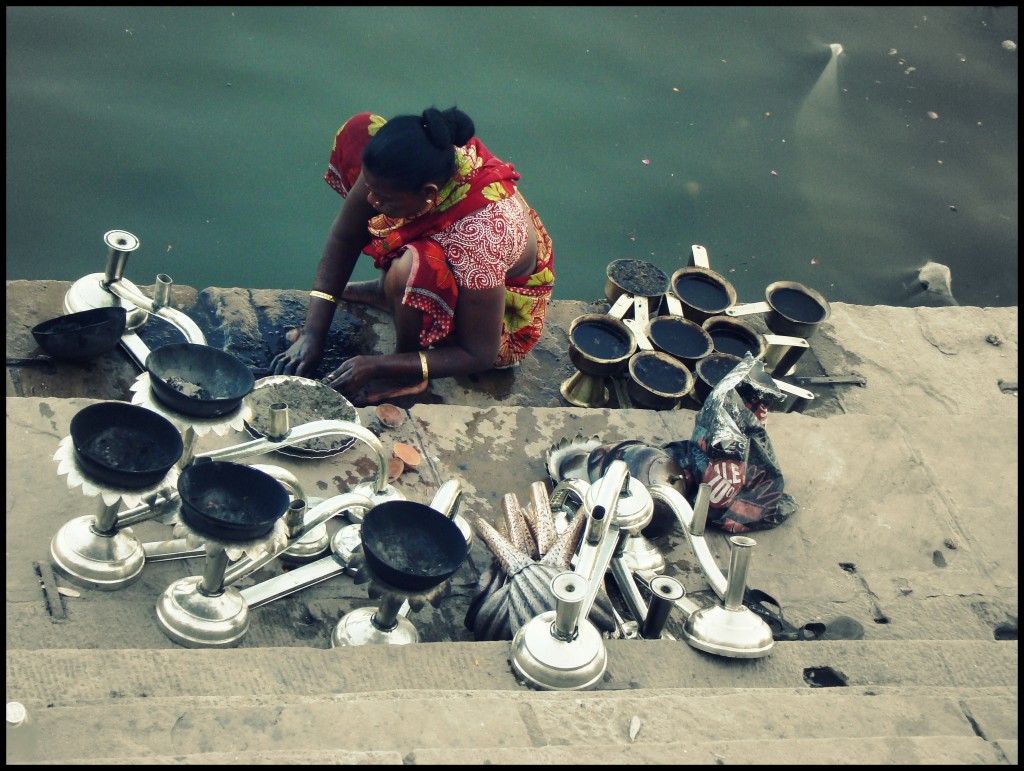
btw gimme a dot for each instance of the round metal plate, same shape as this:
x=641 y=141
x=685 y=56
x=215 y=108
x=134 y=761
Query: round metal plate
x=333 y=406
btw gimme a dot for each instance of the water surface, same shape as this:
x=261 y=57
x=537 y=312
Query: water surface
x=638 y=132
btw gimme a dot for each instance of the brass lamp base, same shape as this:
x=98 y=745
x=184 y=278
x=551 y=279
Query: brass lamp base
x=583 y=390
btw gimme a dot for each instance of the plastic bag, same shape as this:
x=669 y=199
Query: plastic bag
x=730 y=450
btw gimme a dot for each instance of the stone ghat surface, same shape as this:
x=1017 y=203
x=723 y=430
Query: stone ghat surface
x=907 y=523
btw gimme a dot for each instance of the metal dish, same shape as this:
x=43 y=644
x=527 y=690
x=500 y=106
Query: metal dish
x=78 y=336
x=230 y=501
x=412 y=546
x=322 y=403
x=125 y=445
x=198 y=380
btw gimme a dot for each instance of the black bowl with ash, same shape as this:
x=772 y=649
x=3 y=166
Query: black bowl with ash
x=230 y=501
x=125 y=445
x=198 y=380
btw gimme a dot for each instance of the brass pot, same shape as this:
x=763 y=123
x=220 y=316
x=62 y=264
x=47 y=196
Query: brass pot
x=680 y=338
x=710 y=370
x=702 y=292
x=637 y=278
x=600 y=344
x=793 y=309
x=657 y=381
x=735 y=337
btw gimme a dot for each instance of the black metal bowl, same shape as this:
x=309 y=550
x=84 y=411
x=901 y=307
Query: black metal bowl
x=124 y=445
x=82 y=335
x=411 y=546
x=230 y=501
x=198 y=380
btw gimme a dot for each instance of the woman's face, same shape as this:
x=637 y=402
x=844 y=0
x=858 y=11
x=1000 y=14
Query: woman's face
x=397 y=204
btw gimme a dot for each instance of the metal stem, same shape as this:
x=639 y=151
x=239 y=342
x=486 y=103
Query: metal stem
x=313 y=430
x=146 y=511
x=162 y=291
x=213 y=571
x=121 y=244
x=280 y=422
x=595 y=525
x=665 y=590
x=386 y=617
x=700 y=509
x=106 y=520
x=188 y=441
x=628 y=589
x=569 y=590
x=294 y=516
x=739 y=562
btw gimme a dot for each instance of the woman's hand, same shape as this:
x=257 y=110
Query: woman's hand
x=352 y=375
x=301 y=358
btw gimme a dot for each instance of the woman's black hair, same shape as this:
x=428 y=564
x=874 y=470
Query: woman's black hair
x=410 y=151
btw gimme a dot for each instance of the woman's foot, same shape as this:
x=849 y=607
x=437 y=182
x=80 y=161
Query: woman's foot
x=365 y=293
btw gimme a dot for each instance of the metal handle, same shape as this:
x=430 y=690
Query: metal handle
x=699 y=257
x=447 y=498
x=748 y=309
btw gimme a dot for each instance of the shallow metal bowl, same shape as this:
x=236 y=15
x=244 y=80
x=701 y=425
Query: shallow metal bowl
x=198 y=380
x=125 y=445
x=230 y=501
x=78 y=336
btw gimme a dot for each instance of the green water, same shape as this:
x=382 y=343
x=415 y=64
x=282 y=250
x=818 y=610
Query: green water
x=638 y=131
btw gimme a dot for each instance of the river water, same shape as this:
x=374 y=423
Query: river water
x=639 y=131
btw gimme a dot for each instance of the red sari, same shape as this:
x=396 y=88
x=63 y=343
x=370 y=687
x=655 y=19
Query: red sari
x=480 y=179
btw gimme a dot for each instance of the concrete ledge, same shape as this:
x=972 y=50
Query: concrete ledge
x=480 y=723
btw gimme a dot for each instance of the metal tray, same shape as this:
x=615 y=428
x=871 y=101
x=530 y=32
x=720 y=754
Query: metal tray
x=323 y=403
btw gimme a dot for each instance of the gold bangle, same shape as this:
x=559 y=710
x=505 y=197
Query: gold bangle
x=324 y=296
x=423 y=366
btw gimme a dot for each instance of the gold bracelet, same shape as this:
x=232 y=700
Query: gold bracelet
x=423 y=366
x=324 y=296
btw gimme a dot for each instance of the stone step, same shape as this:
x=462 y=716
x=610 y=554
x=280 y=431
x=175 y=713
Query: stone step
x=917 y=750
x=443 y=722
x=871 y=750
x=82 y=676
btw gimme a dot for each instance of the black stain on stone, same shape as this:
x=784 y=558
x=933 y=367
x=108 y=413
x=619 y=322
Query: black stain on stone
x=938 y=559
x=824 y=677
x=1007 y=631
